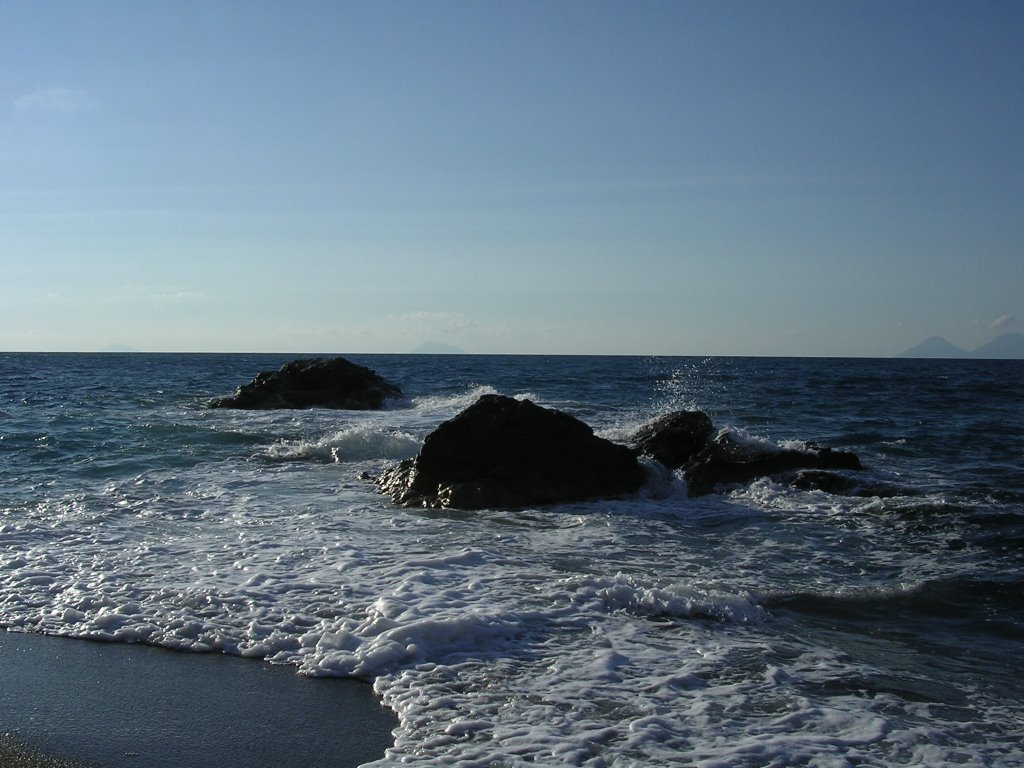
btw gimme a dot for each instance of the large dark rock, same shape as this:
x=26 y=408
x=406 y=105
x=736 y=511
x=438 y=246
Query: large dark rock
x=507 y=453
x=335 y=383
x=726 y=460
x=675 y=438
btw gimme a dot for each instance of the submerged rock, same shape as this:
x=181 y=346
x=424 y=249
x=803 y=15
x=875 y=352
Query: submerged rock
x=506 y=453
x=316 y=383
x=840 y=485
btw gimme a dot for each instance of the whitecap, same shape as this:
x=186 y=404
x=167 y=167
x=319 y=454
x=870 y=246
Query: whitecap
x=362 y=442
x=459 y=401
x=456 y=401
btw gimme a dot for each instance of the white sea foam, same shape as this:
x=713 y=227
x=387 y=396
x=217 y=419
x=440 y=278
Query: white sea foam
x=624 y=593
x=452 y=402
x=487 y=654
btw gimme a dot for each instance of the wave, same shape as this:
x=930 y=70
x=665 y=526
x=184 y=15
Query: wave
x=979 y=598
x=458 y=401
x=363 y=442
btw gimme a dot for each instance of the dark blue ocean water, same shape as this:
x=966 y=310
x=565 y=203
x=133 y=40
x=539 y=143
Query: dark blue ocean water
x=760 y=625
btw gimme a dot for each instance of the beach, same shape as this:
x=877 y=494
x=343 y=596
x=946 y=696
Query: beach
x=68 y=703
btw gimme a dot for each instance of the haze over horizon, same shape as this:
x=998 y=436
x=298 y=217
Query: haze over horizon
x=733 y=178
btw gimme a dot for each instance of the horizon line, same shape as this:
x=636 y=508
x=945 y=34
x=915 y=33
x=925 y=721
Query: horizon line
x=897 y=356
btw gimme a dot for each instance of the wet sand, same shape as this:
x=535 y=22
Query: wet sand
x=66 y=703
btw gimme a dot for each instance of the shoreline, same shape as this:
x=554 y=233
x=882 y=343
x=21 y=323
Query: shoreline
x=71 y=703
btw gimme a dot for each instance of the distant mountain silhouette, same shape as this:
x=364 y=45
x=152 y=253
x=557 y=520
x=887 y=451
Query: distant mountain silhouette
x=1008 y=346
x=936 y=346
x=437 y=348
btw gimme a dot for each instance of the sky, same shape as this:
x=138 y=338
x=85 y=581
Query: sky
x=511 y=176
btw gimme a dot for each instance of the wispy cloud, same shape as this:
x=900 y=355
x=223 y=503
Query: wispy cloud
x=180 y=296
x=161 y=293
x=52 y=100
x=1006 y=321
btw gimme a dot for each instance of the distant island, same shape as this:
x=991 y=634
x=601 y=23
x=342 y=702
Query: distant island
x=1008 y=346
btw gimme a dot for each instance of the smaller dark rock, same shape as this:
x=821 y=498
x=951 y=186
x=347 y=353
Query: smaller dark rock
x=725 y=460
x=316 y=383
x=675 y=438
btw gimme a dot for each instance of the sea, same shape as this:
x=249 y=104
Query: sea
x=760 y=625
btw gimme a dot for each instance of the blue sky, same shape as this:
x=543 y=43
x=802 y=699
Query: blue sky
x=706 y=178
